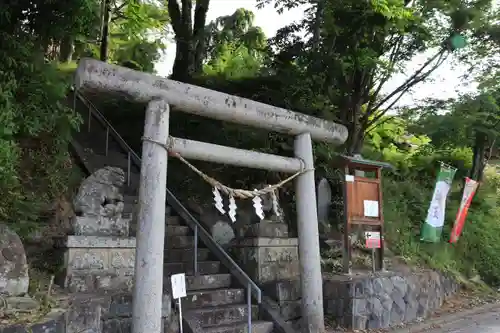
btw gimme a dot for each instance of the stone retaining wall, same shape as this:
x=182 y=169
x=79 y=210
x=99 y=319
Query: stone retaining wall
x=386 y=299
x=93 y=314
x=287 y=296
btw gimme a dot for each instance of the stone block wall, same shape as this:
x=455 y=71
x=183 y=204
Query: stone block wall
x=93 y=314
x=271 y=259
x=287 y=295
x=268 y=259
x=386 y=299
x=95 y=263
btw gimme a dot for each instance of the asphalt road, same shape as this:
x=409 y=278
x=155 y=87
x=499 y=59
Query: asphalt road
x=488 y=322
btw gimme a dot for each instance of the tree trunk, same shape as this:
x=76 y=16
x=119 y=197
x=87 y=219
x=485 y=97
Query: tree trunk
x=188 y=37
x=320 y=6
x=479 y=156
x=105 y=31
x=66 y=49
x=198 y=56
x=183 y=64
x=355 y=140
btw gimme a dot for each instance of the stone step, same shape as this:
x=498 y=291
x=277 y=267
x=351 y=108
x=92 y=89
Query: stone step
x=176 y=230
x=202 y=282
x=204 y=268
x=216 y=297
x=257 y=327
x=180 y=242
x=223 y=315
x=211 y=281
x=173 y=220
x=186 y=255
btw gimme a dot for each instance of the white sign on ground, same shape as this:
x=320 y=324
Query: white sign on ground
x=178 y=291
x=178 y=285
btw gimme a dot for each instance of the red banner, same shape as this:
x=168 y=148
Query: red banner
x=469 y=191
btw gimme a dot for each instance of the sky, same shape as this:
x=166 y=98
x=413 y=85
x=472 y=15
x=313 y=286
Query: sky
x=444 y=83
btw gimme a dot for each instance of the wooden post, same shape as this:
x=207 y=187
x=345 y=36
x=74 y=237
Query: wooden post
x=148 y=288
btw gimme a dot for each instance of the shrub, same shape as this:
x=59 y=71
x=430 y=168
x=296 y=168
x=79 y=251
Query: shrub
x=35 y=129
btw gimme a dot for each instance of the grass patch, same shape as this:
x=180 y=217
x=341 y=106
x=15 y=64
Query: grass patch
x=474 y=258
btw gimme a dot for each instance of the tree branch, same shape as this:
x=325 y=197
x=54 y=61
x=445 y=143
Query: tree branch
x=175 y=16
x=119 y=8
x=187 y=20
x=412 y=80
x=392 y=63
x=200 y=17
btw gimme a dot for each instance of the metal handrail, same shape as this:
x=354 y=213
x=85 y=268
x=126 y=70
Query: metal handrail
x=199 y=230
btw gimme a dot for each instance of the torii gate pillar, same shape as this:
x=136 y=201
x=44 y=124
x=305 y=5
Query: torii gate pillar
x=307 y=225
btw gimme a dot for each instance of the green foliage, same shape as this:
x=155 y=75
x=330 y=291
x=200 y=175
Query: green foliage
x=353 y=48
x=36 y=126
x=234 y=47
x=332 y=64
x=407 y=194
x=476 y=252
x=136 y=37
x=236 y=29
x=136 y=34
x=233 y=62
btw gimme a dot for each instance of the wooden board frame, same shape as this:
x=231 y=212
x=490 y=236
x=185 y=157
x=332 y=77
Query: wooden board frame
x=357 y=189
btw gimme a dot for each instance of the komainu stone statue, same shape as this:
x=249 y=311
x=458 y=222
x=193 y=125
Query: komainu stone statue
x=98 y=204
x=14 y=279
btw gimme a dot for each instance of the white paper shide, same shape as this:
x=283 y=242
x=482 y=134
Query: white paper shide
x=219 y=204
x=232 y=209
x=257 y=204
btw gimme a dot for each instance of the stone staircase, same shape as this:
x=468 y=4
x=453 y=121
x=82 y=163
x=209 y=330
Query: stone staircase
x=214 y=302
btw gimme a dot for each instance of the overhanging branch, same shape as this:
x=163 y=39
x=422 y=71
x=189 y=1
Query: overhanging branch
x=419 y=76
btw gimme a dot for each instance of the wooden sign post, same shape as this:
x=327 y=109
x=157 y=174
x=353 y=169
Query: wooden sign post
x=363 y=205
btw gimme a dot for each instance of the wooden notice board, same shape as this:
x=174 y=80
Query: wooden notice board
x=363 y=204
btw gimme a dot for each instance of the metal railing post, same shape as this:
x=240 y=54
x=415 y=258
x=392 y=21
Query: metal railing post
x=249 y=307
x=196 y=250
x=128 y=168
x=90 y=117
x=107 y=140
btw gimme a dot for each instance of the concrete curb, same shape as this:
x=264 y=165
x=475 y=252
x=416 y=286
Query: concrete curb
x=447 y=319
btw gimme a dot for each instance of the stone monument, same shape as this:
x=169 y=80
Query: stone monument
x=99 y=254
x=14 y=279
x=324 y=198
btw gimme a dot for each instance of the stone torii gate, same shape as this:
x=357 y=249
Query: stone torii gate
x=159 y=94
